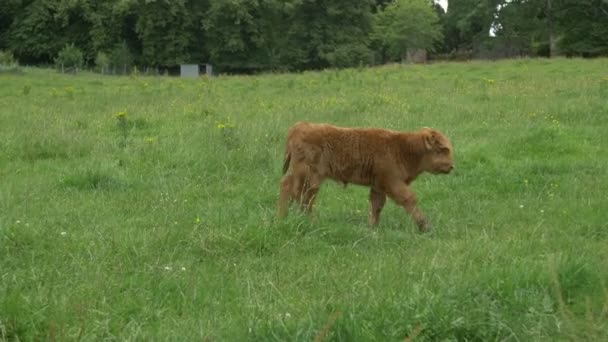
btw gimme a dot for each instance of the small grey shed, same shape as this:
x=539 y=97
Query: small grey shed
x=189 y=70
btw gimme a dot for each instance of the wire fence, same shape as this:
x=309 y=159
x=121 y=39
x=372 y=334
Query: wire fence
x=184 y=70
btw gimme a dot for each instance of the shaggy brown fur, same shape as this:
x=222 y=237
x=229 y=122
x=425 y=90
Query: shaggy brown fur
x=387 y=161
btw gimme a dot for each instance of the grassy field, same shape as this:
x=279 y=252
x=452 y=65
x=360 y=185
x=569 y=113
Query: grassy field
x=144 y=208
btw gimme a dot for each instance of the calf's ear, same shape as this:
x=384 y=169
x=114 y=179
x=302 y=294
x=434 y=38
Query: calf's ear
x=430 y=140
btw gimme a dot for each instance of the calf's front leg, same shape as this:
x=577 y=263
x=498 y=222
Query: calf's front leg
x=311 y=186
x=402 y=195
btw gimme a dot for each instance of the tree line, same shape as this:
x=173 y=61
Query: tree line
x=289 y=35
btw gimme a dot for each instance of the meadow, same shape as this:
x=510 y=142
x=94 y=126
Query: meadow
x=144 y=208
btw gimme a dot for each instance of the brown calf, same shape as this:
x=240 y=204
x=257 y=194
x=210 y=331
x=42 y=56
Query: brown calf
x=387 y=161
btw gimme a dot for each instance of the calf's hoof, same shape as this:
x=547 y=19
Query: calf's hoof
x=424 y=226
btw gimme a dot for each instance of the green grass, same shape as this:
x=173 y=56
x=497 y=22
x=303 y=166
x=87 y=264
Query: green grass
x=144 y=208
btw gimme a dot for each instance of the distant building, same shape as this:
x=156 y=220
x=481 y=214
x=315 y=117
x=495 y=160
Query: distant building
x=194 y=70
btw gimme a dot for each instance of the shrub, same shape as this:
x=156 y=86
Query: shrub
x=70 y=58
x=8 y=63
x=121 y=58
x=102 y=61
x=348 y=55
x=7 y=58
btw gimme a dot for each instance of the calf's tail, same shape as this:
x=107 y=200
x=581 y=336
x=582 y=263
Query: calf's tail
x=286 y=162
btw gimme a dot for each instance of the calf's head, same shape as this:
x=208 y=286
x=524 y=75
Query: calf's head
x=438 y=157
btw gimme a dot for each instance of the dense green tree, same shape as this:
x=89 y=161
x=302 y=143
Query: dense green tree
x=439 y=46
x=112 y=22
x=249 y=35
x=407 y=24
x=8 y=11
x=541 y=27
x=239 y=33
x=521 y=27
x=467 y=23
x=34 y=32
x=43 y=27
x=329 y=33
x=380 y=5
x=197 y=47
x=163 y=28
x=583 y=26
x=293 y=35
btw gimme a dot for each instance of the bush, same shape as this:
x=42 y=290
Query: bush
x=348 y=55
x=8 y=63
x=7 y=58
x=102 y=61
x=121 y=58
x=70 y=58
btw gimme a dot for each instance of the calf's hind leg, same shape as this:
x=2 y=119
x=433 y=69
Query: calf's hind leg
x=377 y=200
x=293 y=188
x=285 y=196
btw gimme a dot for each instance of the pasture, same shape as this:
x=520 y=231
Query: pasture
x=144 y=208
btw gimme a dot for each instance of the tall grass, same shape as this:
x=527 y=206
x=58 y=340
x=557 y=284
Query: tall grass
x=144 y=208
